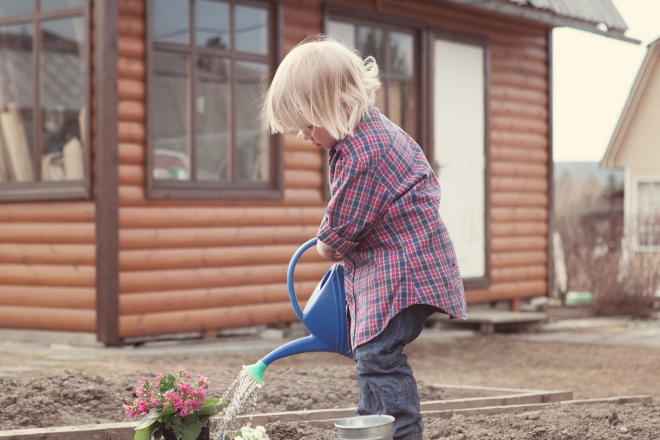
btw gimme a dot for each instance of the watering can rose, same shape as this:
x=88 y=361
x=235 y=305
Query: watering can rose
x=176 y=403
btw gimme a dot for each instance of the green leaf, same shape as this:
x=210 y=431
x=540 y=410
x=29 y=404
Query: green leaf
x=211 y=407
x=145 y=433
x=204 y=418
x=191 y=431
x=158 y=434
x=167 y=383
x=167 y=411
x=148 y=419
x=192 y=418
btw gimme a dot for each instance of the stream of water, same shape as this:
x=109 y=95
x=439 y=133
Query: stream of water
x=243 y=388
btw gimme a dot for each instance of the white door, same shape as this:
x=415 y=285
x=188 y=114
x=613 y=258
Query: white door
x=459 y=149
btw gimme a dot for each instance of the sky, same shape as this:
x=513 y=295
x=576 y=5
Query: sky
x=592 y=77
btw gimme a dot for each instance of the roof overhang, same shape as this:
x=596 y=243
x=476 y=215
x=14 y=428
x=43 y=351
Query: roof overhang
x=544 y=16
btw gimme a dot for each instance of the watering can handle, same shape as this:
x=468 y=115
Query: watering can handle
x=289 y=276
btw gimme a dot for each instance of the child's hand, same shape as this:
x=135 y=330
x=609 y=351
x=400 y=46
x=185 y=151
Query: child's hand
x=327 y=252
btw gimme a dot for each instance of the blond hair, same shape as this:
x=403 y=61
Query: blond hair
x=321 y=83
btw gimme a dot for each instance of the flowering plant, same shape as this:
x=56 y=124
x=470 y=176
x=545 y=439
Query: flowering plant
x=246 y=433
x=173 y=403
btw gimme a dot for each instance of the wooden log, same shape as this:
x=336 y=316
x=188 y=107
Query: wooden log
x=132 y=111
x=513 y=154
x=197 y=258
x=131 y=68
x=45 y=296
x=523 y=140
x=518 y=199
x=520 y=214
x=539 y=41
x=132 y=132
x=521 y=52
x=131 y=89
x=512 y=169
x=171 y=238
x=510 y=244
x=131 y=26
x=526 y=81
x=131 y=174
x=517 y=124
x=293 y=142
x=47 y=275
x=68 y=254
x=526 y=273
x=131 y=8
x=48 y=212
x=507 y=291
x=155 y=302
x=518 y=229
x=130 y=47
x=301 y=197
x=518 y=109
x=218 y=217
x=131 y=153
x=302 y=160
x=517 y=259
x=302 y=179
x=518 y=184
x=67 y=233
x=136 y=282
x=204 y=319
x=503 y=93
x=521 y=66
x=47 y=318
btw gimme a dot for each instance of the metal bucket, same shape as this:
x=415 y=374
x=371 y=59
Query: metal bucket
x=379 y=427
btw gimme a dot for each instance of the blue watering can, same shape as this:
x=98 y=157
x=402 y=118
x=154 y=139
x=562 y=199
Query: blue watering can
x=324 y=316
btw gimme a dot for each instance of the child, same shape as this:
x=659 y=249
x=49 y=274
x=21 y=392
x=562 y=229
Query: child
x=382 y=219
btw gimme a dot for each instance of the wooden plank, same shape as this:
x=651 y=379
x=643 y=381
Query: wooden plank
x=48 y=318
x=131 y=111
x=511 y=214
x=65 y=233
x=68 y=254
x=47 y=212
x=508 y=291
x=514 y=229
x=130 y=174
x=302 y=179
x=517 y=259
x=132 y=153
x=48 y=296
x=519 y=184
x=525 y=273
x=123 y=431
x=531 y=243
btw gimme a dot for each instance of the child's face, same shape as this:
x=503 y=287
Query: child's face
x=319 y=137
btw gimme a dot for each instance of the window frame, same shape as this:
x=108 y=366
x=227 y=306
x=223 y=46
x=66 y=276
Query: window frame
x=639 y=247
x=39 y=190
x=273 y=188
x=484 y=281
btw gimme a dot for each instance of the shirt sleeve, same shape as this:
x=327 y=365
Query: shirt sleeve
x=358 y=201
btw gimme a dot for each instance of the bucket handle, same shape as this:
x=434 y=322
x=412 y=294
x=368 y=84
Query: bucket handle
x=289 y=276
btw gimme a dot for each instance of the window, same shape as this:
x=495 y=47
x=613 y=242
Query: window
x=459 y=156
x=210 y=63
x=648 y=215
x=44 y=96
x=395 y=49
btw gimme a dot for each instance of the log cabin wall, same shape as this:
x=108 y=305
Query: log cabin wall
x=205 y=265
x=47 y=260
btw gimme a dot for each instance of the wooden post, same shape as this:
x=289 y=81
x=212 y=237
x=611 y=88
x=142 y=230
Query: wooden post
x=107 y=173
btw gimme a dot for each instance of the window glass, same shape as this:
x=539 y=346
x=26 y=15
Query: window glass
x=648 y=214
x=171 y=21
x=212 y=118
x=212 y=24
x=63 y=99
x=343 y=32
x=251 y=139
x=251 y=28
x=401 y=110
x=10 y=8
x=401 y=53
x=54 y=5
x=17 y=97
x=171 y=158
x=370 y=42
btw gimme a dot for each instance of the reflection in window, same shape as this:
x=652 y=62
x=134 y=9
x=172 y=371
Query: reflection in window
x=370 y=42
x=401 y=53
x=63 y=99
x=251 y=140
x=9 y=8
x=170 y=121
x=212 y=24
x=212 y=118
x=54 y=5
x=342 y=32
x=648 y=214
x=17 y=96
x=251 y=28
x=170 y=22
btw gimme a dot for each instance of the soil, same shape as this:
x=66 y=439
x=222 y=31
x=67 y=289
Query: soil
x=93 y=389
x=557 y=422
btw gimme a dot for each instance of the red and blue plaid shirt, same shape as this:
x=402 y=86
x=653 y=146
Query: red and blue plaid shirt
x=383 y=219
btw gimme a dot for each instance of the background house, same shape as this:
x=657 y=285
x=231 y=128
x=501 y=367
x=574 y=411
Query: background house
x=635 y=147
x=185 y=214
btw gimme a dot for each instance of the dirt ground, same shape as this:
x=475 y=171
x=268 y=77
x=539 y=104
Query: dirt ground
x=92 y=391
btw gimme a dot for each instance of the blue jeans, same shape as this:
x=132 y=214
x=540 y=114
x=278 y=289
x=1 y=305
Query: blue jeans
x=386 y=381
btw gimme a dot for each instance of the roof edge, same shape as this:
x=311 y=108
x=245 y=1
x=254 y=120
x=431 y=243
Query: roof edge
x=545 y=17
x=629 y=108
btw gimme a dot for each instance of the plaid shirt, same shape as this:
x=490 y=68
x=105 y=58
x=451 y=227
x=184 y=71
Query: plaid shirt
x=383 y=219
